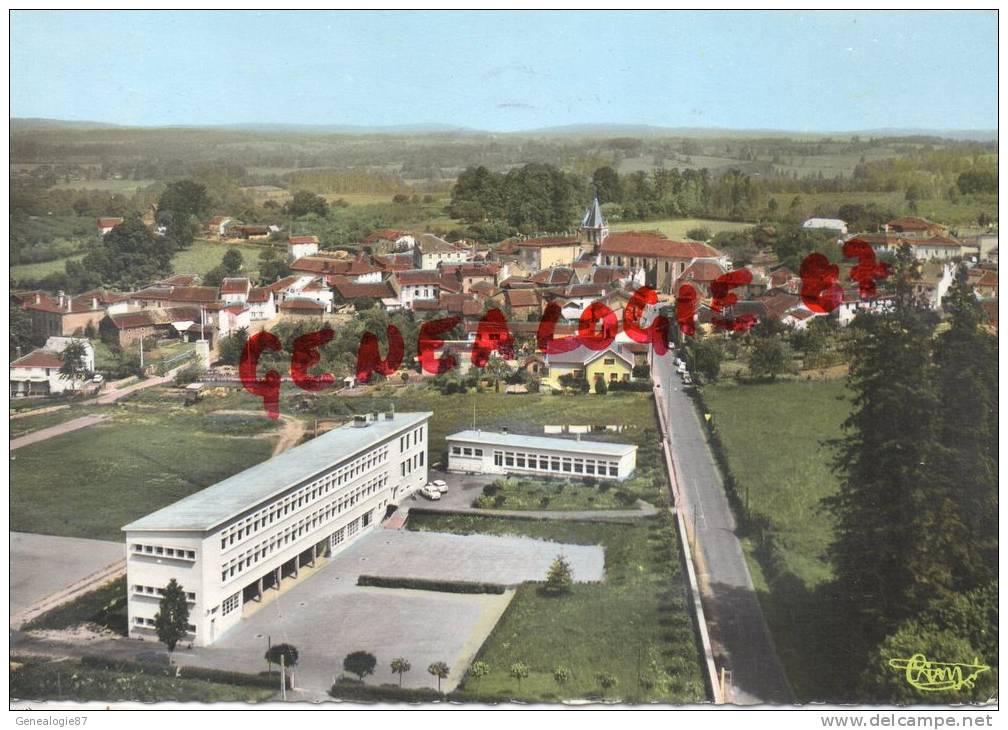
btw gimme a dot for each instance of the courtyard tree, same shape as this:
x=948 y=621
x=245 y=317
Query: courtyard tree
x=171 y=622
x=288 y=652
x=74 y=366
x=559 y=577
x=361 y=663
x=400 y=666
x=518 y=672
x=439 y=670
x=478 y=670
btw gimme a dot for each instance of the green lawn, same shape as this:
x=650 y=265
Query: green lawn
x=634 y=622
x=773 y=438
x=91 y=482
x=676 y=228
x=37 y=678
x=104 y=606
x=43 y=269
x=27 y=424
x=204 y=255
x=563 y=494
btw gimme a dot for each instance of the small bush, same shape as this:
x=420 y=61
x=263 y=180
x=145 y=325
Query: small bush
x=353 y=689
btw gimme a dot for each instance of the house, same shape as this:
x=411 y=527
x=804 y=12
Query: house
x=524 y=304
x=913 y=227
x=701 y=273
x=662 y=259
x=235 y=290
x=542 y=253
x=299 y=308
x=798 y=318
x=986 y=287
x=230 y=318
x=300 y=246
x=470 y=274
x=65 y=315
x=38 y=373
x=554 y=276
x=423 y=284
x=611 y=364
x=853 y=303
x=161 y=297
x=249 y=233
x=384 y=293
x=431 y=251
x=784 y=278
x=394 y=262
x=990 y=308
x=826 y=224
x=489 y=452
x=935 y=247
x=107 y=224
x=126 y=328
x=389 y=239
x=218 y=225
x=261 y=303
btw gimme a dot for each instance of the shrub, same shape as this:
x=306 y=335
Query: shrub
x=625 y=498
x=353 y=689
x=423 y=584
x=499 y=500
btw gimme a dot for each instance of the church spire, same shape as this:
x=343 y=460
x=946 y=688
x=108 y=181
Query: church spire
x=593 y=224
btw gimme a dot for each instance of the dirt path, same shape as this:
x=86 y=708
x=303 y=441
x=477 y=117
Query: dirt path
x=47 y=433
x=37 y=412
x=292 y=431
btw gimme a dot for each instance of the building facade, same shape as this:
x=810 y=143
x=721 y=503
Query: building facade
x=488 y=452
x=227 y=544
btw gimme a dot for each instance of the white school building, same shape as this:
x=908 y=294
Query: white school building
x=489 y=452
x=228 y=543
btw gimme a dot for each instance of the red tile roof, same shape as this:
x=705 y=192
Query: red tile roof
x=196 y=294
x=283 y=284
x=320 y=265
x=395 y=262
x=235 y=285
x=258 y=295
x=419 y=277
x=910 y=223
x=522 y=298
x=38 y=359
x=352 y=290
x=554 y=276
x=655 y=245
x=109 y=222
x=303 y=305
x=296 y=240
x=151 y=317
x=704 y=272
x=384 y=234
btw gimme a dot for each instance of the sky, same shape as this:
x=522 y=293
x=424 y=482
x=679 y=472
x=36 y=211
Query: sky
x=510 y=71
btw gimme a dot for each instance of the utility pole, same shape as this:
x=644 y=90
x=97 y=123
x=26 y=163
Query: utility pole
x=283 y=678
x=141 y=350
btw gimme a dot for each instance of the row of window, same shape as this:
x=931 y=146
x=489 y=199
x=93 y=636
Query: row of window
x=231 y=603
x=411 y=464
x=411 y=439
x=141 y=621
x=466 y=451
x=154 y=591
x=252 y=556
x=335 y=479
x=556 y=463
x=161 y=550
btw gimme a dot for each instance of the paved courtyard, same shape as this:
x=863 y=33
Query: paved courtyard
x=327 y=616
x=41 y=565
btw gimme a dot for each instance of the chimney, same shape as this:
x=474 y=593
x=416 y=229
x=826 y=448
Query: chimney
x=38 y=298
x=60 y=296
x=360 y=421
x=94 y=302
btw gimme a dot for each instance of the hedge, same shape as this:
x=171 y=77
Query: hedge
x=219 y=676
x=354 y=689
x=423 y=584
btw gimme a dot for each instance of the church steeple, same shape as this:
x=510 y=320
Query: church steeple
x=593 y=224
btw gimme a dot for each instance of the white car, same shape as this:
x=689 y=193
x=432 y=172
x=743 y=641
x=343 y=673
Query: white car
x=439 y=484
x=430 y=492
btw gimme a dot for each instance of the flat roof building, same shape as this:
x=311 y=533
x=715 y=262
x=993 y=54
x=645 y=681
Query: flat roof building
x=489 y=452
x=228 y=543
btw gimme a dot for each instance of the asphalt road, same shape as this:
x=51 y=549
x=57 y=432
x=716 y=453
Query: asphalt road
x=735 y=618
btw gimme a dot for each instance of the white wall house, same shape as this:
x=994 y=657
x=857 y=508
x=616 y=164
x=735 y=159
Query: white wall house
x=489 y=452
x=235 y=290
x=261 y=304
x=38 y=372
x=227 y=544
x=299 y=246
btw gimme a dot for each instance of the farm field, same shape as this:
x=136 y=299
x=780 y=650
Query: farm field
x=676 y=228
x=633 y=626
x=91 y=482
x=204 y=255
x=125 y=187
x=41 y=269
x=785 y=468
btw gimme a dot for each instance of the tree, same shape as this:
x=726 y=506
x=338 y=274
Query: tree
x=699 y=234
x=600 y=386
x=559 y=577
x=171 y=622
x=768 y=358
x=180 y=206
x=231 y=347
x=704 y=356
x=272 y=265
x=561 y=675
x=606 y=182
x=231 y=262
x=129 y=256
x=891 y=548
x=966 y=456
x=606 y=680
x=289 y=654
x=439 y=670
x=74 y=367
x=360 y=663
x=20 y=332
x=478 y=670
x=400 y=666
x=519 y=671
x=304 y=202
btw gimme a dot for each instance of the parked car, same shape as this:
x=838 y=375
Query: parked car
x=430 y=492
x=440 y=485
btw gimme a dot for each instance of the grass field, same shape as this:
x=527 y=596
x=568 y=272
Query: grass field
x=105 y=606
x=786 y=470
x=27 y=424
x=676 y=228
x=204 y=255
x=38 y=678
x=633 y=625
x=125 y=187
x=562 y=494
x=42 y=269
x=89 y=483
